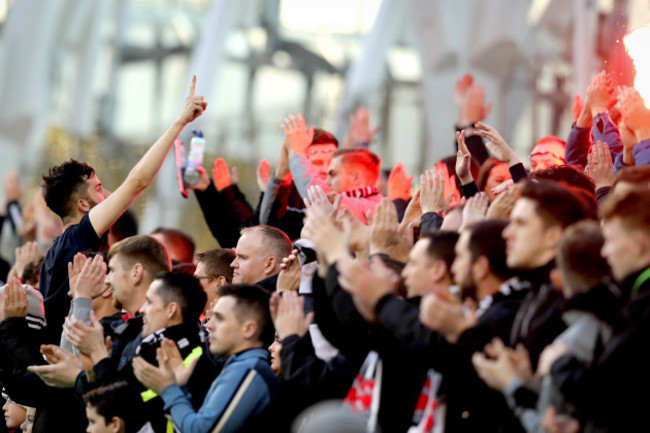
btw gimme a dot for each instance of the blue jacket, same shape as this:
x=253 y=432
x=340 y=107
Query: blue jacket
x=241 y=391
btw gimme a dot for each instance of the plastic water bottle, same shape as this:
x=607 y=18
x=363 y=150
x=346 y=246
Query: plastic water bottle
x=195 y=158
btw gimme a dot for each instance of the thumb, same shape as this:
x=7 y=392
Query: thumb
x=309 y=319
x=192 y=365
x=337 y=201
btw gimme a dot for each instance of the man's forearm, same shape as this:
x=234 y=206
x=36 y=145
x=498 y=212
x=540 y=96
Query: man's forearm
x=145 y=170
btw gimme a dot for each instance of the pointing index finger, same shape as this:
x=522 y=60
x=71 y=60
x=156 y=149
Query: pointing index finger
x=193 y=86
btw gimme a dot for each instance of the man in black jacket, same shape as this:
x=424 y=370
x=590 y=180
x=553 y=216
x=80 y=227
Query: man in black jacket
x=537 y=223
x=602 y=390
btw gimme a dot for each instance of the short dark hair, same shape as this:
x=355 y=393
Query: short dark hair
x=359 y=157
x=142 y=249
x=558 y=205
x=485 y=240
x=442 y=244
x=323 y=137
x=63 y=183
x=217 y=262
x=631 y=208
x=634 y=174
x=251 y=301
x=181 y=242
x=275 y=239
x=119 y=400
x=568 y=175
x=186 y=291
x=578 y=256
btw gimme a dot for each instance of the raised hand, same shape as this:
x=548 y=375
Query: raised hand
x=449 y=184
x=463 y=160
x=499 y=148
x=460 y=88
x=601 y=94
x=359 y=130
x=223 y=177
x=357 y=233
x=385 y=234
x=15 y=300
x=154 y=378
x=297 y=136
x=263 y=174
x=502 y=205
x=24 y=255
x=90 y=281
x=329 y=203
x=600 y=166
x=399 y=184
x=87 y=338
x=169 y=355
x=194 y=105
x=413 y=212
x=204 y=180
x=432 y=192
x=74 y=269
x=329 y=239
x=635 y=114
x=289 y=277
x=62 y=369
x=289 y=318
x=475 y=209
x=473 y=109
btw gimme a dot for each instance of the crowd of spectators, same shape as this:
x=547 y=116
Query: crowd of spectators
x=496 y=295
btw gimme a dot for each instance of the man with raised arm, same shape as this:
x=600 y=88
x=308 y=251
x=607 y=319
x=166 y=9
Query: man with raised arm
x=73 y=191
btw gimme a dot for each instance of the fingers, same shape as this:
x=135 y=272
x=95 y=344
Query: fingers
x=274 y=304
x=193 y=87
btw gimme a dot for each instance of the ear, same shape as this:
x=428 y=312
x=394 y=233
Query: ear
x=641 y=242
x=83 y=205
x=221 y=281
x=552 y=236
x=108 y=293
x=173 y=310
x=356 y=177
x=481 y=268
x=439 y=270
x=269 y=265
x=249 y=329
x=116 y=425
x=137 y=273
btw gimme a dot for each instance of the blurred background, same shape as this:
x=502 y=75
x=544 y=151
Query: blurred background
x=99 y=81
